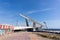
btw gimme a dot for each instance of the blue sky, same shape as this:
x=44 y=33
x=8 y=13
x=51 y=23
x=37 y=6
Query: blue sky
x=39 y=10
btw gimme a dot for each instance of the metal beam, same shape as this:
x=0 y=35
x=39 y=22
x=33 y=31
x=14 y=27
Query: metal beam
x=29 y=19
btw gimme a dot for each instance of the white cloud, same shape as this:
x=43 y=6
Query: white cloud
x=35 y=11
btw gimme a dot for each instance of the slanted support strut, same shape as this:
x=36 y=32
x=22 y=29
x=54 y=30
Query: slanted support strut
x=34 y=25
x=27 y=23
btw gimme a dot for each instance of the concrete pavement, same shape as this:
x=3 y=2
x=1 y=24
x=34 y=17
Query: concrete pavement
x=22 y=36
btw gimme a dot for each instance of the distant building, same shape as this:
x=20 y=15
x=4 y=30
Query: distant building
x=6 y=29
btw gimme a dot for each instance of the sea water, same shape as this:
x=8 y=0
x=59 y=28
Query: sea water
x=52 y=30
